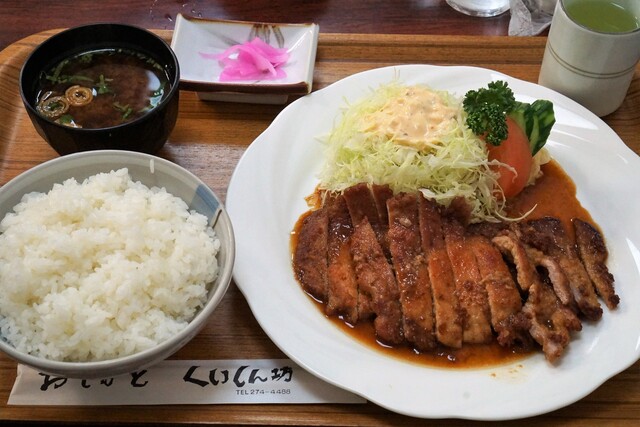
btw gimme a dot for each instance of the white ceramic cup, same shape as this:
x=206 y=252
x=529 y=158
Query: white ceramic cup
x=593 y=68
x=483 y=8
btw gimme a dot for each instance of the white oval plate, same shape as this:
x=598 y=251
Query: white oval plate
x=266 y=197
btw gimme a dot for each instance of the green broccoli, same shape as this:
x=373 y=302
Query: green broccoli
x=488 y=108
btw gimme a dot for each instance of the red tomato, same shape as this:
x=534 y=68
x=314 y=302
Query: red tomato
x=515 y=152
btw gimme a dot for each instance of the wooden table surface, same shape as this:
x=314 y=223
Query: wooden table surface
x=209 y=139
x=20 y=18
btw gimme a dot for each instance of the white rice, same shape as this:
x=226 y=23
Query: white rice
x=101 y=269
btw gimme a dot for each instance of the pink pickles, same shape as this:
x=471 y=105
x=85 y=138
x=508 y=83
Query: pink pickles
x=255 y=60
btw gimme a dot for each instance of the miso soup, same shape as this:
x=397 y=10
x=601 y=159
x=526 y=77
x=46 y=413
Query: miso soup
x=101 y=88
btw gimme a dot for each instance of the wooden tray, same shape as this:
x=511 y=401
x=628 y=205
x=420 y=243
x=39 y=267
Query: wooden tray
x=209 y=139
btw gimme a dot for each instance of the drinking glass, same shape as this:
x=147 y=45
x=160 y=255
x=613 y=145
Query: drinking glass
x=483 y=8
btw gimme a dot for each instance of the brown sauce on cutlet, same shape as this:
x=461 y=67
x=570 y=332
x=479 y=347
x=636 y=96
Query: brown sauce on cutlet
x=469 y=356
x=554 y=194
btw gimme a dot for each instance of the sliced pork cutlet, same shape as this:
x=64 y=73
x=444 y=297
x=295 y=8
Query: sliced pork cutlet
x=593 y=253
x=448 y=323
x=511 y=247
x=555 y=275
x=382 y=193
x=528 y=258
x=472 y=296
x=342 y=287
x=376 y=279
x=362 y=204
x=548 y=235
x=412 y=273
x=488 y=229
x=505 y=303
x=460 y=210
x=550 y=321
x=310 y=256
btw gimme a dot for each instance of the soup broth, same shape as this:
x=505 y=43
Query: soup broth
x=101 y=88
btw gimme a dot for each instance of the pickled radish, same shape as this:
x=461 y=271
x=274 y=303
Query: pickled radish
x=253 y=60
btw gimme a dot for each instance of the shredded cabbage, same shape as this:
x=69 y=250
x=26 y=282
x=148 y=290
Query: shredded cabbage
x=455 y=165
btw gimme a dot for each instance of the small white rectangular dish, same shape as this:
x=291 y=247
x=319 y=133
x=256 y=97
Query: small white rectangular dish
x=193 y=37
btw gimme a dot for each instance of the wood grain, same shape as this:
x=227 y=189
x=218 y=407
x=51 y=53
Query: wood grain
x=209 y=139
x=20 y=18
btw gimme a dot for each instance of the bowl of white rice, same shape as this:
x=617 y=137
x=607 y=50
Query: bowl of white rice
x=110 y=261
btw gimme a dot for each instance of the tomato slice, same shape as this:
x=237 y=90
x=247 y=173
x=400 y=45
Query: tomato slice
x=515 y=152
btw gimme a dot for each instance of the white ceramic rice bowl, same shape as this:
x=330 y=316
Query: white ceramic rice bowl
x=151 y=171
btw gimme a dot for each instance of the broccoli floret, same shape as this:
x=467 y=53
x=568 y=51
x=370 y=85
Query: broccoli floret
x=487 y=110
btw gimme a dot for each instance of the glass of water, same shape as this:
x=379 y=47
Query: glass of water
x=484 y=8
